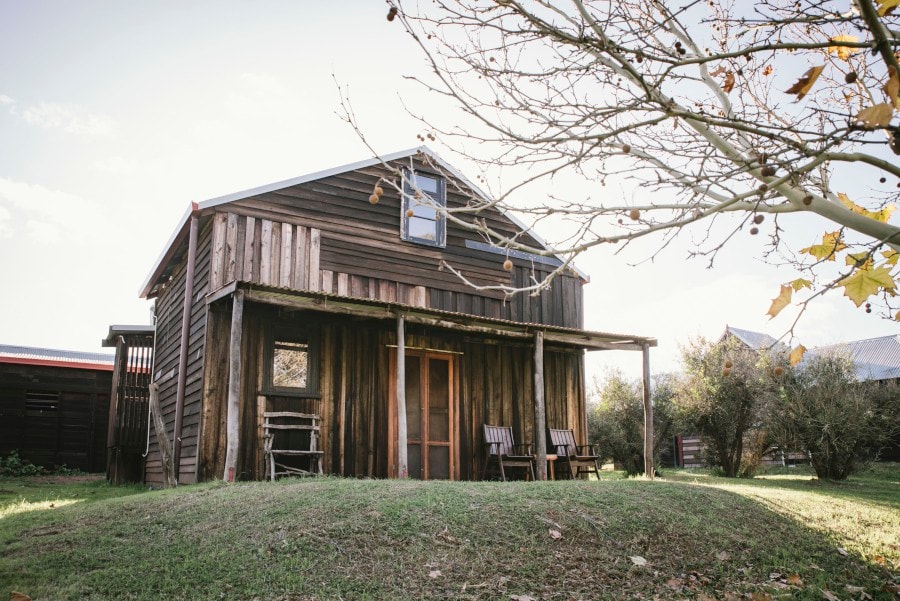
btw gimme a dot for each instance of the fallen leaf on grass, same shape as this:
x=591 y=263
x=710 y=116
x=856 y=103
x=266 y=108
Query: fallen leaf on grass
x=16 y=596
x=826 y=594
x=638 y=560
x=705 y=597
x=794 y=580
x=842 y=551
x=674 y=583
x=879 y=559
x=521 y=598
x=890 y=587
x=434 y=574
x=723 y=556
x=761 y=596
x=555 y=534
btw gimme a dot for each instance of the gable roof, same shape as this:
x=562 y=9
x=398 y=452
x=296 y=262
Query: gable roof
x=755 y=340
x=874 y=358
x=180 y=234
x=28 y=355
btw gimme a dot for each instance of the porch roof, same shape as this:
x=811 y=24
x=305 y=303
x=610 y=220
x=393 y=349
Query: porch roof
x=462 y=322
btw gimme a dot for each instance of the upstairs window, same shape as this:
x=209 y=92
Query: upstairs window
x=422 y=223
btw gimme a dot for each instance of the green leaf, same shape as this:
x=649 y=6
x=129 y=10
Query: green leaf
x=863 y=283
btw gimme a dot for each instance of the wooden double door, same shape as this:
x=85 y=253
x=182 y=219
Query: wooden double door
x=430 y=416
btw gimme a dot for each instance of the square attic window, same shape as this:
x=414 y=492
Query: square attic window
x=424 y=195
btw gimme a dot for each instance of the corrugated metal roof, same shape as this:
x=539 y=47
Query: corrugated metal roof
x=62 y=358
x=449 y=315
x=755 y=340
x=874 y=358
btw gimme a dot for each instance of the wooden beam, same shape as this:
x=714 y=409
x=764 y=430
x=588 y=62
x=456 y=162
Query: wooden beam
x=648 y=416
x=402 y=462
x=523 y=332
x=540 y=415
x=165 y=447
x=234 y=388
x=185 y=338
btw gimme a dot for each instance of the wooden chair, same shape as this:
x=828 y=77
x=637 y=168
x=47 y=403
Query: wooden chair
x=500 y=447
x=304 y=448
x=578 y=459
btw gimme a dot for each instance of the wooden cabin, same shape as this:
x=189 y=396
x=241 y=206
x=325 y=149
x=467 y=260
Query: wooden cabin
x=53 y=406
x=301 y=295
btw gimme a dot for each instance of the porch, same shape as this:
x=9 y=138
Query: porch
x=400 y=390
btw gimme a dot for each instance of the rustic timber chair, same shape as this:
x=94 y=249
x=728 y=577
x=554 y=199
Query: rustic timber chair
x=289 y=435
x=578 y=459
x=500 y=448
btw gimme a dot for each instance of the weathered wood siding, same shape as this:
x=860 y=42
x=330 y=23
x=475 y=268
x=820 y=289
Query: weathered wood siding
x=73 y=432
x=169 y=307
x=326 y=236
x=494 y=384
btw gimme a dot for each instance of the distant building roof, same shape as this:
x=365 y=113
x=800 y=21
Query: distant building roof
x=874 y=358
x=755 y=340
x=27 y=355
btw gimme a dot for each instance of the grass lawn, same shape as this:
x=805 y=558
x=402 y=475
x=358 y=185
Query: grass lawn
x=686 y=536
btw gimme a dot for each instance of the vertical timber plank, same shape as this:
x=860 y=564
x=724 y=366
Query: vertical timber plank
x=287 y=247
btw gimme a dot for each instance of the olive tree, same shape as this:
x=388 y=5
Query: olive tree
x=839 y=421
x=616 y=419
x=723 y=397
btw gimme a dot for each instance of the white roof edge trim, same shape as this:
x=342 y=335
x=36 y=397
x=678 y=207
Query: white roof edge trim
x=370 y=162
x=145 y=287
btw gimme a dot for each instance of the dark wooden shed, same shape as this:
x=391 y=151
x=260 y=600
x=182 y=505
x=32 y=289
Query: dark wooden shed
x=53 y=406
x=307 y=296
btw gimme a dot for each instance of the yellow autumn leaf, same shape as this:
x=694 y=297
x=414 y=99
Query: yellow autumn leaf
x=796 y=355
x=890 y=256
x=843 y=52
x=781 y=301
x=799 y=284
x=886 y=6
x=803 y=85
x=897 y=316
x=859 y=260
x=863 y=283
x=892 y=87
x=882 y=215
x=875 y=116
x=831 y=243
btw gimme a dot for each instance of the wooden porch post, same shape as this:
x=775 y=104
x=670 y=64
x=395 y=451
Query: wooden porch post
x=540 y=416
x=648 y=415
x=234 y=387
x=402 y=464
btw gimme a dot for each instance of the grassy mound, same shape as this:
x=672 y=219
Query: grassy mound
x=687 y=536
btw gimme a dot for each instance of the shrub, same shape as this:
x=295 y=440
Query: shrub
x=842 y=423
x=616 y=420
x=14 y=466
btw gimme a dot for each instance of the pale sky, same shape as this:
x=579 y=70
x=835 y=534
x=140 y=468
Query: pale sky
x=115 y=116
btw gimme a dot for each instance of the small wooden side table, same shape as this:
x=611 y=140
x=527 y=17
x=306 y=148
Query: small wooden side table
x=551 y=463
